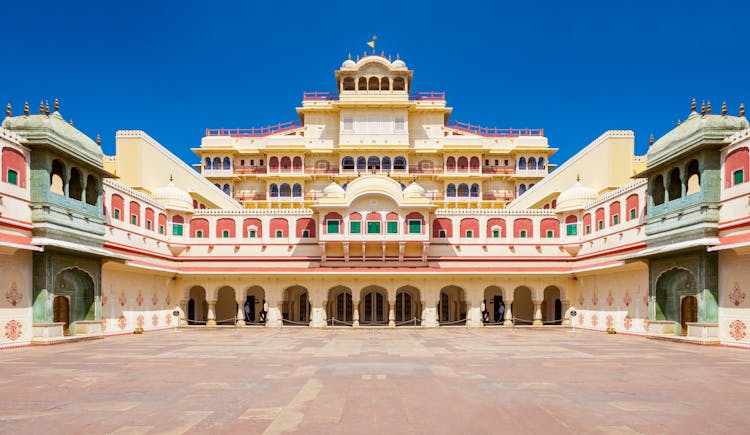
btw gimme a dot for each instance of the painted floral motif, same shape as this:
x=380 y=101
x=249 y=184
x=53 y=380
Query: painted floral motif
x=13 y=330
x=580 y=319
x=610 y=321
x=610 y=298
x=140 y=321
x=168 y=300
x=139 y=298
x=168 y=319
x=594 y=320
x=155 y=320
x=581 y=301
x=595 y=299
x=122 y=299
x=645 y=325
x=736 y=296
x=627 y=299
x=627 y=322
x=13 y=295
x=154 y=299
x=122 y=322
x=737 y=329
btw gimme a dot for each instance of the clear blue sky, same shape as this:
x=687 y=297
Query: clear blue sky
x=572 y=68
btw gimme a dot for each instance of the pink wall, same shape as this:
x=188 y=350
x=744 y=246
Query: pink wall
x=16 y=161
x=442 y=224
x=199 y=224
x=134 y=209
x=225 y=224
x=306 y=224
x=523 y=225
x=631 y=202
x=118 y=204
x=496 y=222
x=737 y=159
x=469 y=224
x=550 y=224
x=279 y=224
x=615 y=209
x=249 y=222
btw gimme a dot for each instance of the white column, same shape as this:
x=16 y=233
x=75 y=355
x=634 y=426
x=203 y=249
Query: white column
x=508 y=313
x=392 y=308
x=564 y=306
x=537 y=313
x=183 y=313
x=474 y=308
x=355 y=312
x=240 y=312
x=274 y=301
x=211 y=321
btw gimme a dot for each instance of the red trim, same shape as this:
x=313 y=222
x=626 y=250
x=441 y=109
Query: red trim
x=15 y=223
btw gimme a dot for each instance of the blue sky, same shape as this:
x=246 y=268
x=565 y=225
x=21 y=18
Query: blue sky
x=572 y=68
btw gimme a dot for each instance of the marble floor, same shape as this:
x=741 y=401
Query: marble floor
x=374 y=381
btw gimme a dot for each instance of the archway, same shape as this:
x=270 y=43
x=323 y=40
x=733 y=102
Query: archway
x=340 y=306
x=452 y=305
x=672 y=287
x=297 y=306
x=552 y=306
x=61 y=312
x=522 y=308
x=408 y=306
x=494 y=305
x=255 y=302
x=77 y=287
x=197 y=306
x=373 y=306
x=226 y=306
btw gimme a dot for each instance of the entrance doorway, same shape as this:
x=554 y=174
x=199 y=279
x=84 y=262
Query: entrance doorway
x=498 y=308
x=61 y=309
x=374 y=307
x=403 y=307
x=688 y=312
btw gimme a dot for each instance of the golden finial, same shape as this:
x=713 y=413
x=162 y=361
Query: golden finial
x=357 y=58
x=26 y=108
x=678 y=122
x=389 y=58
x=382 y=53
x=651 y=139
x=742 y=109
x=41 y=107
x=708 y=107
x=398 y=56
x=57 y=105
x=723 y=108
x=8 y=111
x=350 y=56
x=171 y=178
x=703 y=107
x=693 y=105
x=46 y=107
x=98 y=140
x=578 y=177
x=71 y=122
x=364 y=54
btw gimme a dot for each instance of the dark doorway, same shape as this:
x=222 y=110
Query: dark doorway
x=250 y=312
x=191 y=309
x=558 y=312
x=61 y=308
x=688 y=312
x=499 y=308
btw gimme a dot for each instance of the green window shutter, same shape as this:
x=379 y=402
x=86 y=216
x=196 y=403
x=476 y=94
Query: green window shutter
x=355 y=227
x=279 y=233
x=739 y=176
x=442 y=233
x=496 y=234
x=415 y=227
x=134 y=219
x=550 y=234
x=117 y=214
x=199 y=234
x=601 y=224
x=632 y=214
x=161 y=229
x=332 y=226
x=616 y=219
x=373 y=227
x=392 y=227
x=225 y=234
x=523 y=234
x=148 y=225
x=572 y=229
x=588 y=229
x=252 y=234
x=177 y=229
x=12 y=177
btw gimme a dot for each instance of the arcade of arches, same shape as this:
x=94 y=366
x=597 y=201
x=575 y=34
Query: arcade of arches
x=363 y=304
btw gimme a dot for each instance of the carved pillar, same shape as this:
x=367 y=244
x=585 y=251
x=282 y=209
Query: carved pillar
x=183 y=313
x=392 y=308
x=355 y=312
x=240 y=312
x=474 y=308
x=274 y=299
x=564 y=306
x=537 y=313
x=211 y=321
x=508 y=313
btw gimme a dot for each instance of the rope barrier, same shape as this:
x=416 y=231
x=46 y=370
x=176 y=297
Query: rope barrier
x=333 y=320
x=292 y=322
x=413 y=320
x=455 y=322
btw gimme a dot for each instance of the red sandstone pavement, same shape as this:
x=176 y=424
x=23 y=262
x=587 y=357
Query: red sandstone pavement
x=374 y=381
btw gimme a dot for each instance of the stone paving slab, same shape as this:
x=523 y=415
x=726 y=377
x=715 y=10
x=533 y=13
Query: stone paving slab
x=445 y=381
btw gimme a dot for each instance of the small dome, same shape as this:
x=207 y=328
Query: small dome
x=333 y=190
x=398 y=63
x=414 y=190
x=348 y=64
x=173 y=198
x=576 y=197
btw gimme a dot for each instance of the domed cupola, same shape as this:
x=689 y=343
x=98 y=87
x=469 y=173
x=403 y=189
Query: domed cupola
x=333 y=190
x=414 y=190
x=173 y=198
x=576 y=197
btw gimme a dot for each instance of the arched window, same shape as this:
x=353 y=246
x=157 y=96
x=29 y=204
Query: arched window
x=227 y=163
x=675 y=184
x=463 y=190
x=273 y=191
x=273 y=163
x=297 y=190
x=208 y=163
x=463 y=163
x=285 y=191
x=474 y=163
x=657 y=190
x=217 y=163
x=297 y=163
x=521 y=189
x=451 y=190
x=386 y=163
x=532 y=163
x=450 y=164
x=362 y=84
x=384 y=84
x=361 y=163
x=75 y=186
x=373 y=84
x=399 y=84
x=349 y=84
x=692 y=178
x=399 y=163
x=57 y=178
x=347 y=163
x=226 y=189
x=373 y=162
x=475 y=190
x=285 y=163
x=540 y=163
x=522 y=163
x=92 y=190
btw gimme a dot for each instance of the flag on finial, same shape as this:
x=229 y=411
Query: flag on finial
x=372 y=43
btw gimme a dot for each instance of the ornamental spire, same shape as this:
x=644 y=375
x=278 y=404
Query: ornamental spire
x=708 y=107
x=723 y=108
x=693 y=105
x=651 y=139
x=703 y=107
x=26 y=108
x=8 y=111
x=41 y=107
x=742 y=109
x=46 y=108
x=98 y=140
x=57 y=105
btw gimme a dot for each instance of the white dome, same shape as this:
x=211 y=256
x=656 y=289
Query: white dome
x=414 y=190
x=348 y=64
x=576 y=197
x=173 y=197
x=398 y=63
x=333 y=190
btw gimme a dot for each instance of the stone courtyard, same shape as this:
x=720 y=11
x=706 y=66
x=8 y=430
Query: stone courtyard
x=445 y=381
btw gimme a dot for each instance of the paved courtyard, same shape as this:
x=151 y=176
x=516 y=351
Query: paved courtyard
x=450 y=381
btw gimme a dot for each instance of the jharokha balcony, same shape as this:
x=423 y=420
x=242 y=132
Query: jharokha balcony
x=493 y=131
x=255 y=131
x=413 y=96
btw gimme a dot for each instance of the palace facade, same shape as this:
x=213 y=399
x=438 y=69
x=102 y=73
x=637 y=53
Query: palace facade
x=374 y=208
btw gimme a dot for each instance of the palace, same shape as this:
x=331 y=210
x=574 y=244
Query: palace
x=374 y=208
